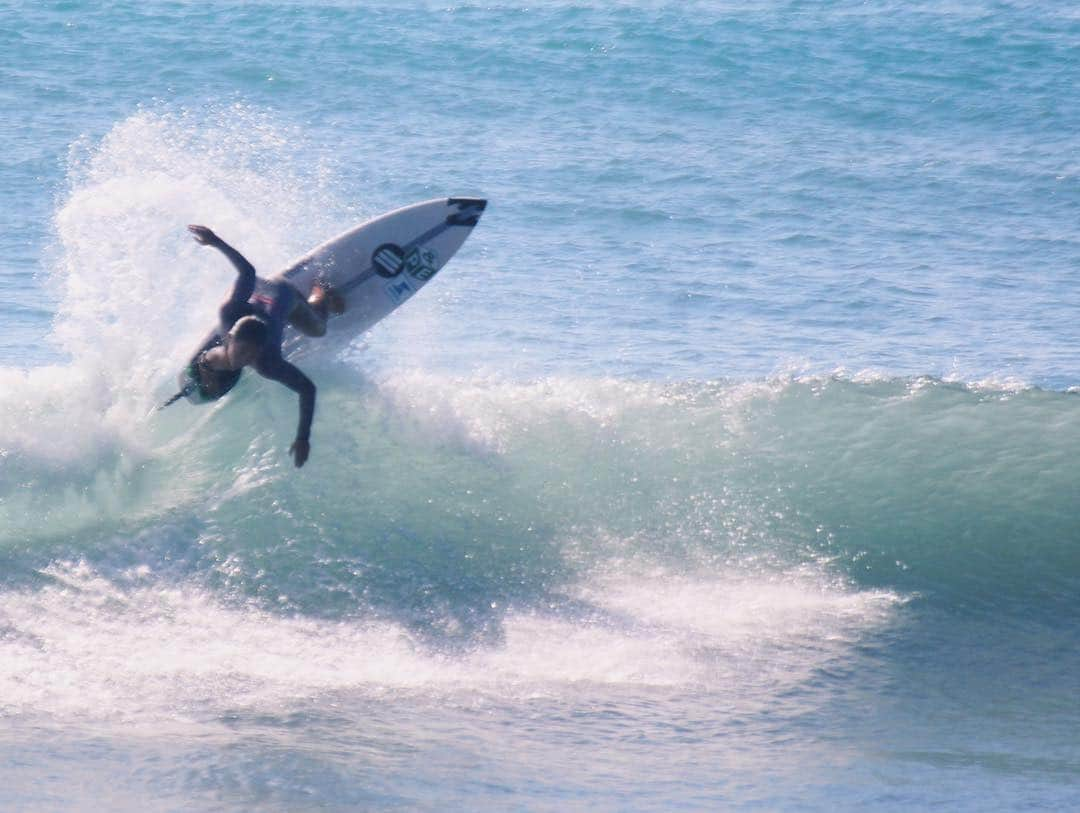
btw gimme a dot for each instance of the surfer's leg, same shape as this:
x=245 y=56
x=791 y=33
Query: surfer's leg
x=306 y=319
x=309 y=316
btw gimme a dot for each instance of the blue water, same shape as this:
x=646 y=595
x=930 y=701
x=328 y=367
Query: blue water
x=732 y=463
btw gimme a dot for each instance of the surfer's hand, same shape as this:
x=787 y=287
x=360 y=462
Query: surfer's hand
x=300 y=450
x=203 y=236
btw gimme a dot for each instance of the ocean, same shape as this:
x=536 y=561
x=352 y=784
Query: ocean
x=732 y=464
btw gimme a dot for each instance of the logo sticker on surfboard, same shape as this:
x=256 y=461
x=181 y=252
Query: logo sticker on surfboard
x=422 y=265
x=388 y=260
x=400 y=290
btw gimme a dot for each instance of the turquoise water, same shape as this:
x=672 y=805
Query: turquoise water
x=732 y=463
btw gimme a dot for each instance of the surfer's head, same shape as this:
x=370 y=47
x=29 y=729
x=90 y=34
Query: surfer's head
x=245 y=341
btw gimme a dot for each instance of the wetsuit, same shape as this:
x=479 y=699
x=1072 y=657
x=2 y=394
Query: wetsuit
x=272 y=300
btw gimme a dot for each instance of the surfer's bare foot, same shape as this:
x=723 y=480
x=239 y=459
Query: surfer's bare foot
x=326 y=300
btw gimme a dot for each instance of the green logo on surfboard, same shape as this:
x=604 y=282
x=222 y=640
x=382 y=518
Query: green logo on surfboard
x=422 y=264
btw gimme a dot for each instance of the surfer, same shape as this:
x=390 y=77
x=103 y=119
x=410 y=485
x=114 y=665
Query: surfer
x=251 y=323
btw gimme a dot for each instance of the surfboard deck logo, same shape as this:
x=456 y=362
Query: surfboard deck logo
x=422 y=264
x=388 y=260
x=400 y=290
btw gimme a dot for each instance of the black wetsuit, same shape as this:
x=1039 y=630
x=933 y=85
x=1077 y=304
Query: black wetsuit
x=271 y=300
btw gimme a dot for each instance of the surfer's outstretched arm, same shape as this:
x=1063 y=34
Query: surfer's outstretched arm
x=277 y=369
x=244 y=286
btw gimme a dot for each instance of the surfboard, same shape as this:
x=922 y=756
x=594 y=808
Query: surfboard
x=376 y=266
x=379 y=265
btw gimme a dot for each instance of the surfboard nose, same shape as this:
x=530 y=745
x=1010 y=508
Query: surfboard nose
x=468 y=211
x=472 y=203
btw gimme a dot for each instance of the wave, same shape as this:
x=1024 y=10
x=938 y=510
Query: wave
x=499 y=488
x=463 y=531
x=471 y=533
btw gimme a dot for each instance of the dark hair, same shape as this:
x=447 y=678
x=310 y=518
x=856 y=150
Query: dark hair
x=250 y=329
x=224 y=380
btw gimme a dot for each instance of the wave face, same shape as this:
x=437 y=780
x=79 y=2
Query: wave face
x=957 y=493
x=877 y=562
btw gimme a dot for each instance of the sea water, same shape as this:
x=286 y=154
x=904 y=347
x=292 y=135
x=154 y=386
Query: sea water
x=732 y=464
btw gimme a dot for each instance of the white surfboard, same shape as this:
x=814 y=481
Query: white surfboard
x=376 y=266
x=379 y=265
